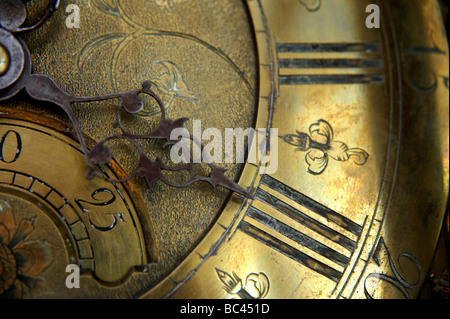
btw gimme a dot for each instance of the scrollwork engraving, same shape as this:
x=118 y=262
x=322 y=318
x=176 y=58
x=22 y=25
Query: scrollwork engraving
x=397 y=279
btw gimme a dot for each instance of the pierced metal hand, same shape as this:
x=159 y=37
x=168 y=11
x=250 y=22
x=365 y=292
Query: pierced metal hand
x=18 y=76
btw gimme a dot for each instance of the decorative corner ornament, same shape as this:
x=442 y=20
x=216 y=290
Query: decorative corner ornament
x=320 y=146
x=256 y=286
x=16 y=65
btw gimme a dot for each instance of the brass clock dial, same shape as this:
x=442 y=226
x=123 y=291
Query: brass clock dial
x=353 y=208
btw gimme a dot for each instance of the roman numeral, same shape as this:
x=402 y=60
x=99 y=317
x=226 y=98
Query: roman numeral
x=319 y=238
x=329 y=63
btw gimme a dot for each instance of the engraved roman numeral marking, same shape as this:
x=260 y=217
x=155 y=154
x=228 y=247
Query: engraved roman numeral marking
x=329 y=63
x=303 y=230
x=328 y=47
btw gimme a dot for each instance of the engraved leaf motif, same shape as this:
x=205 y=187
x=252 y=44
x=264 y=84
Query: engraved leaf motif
x=167 y=4
x=338 y=151
x=317 y=161
x=171 y=82
x=109 y=7
x=232 y=284
x=358 y=155
x=311 y=5
x=321 y=132
x=257 y=285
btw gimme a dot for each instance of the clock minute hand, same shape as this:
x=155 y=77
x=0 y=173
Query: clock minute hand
x=42 y=88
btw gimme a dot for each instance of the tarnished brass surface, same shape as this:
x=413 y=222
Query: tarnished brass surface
x=353 y=211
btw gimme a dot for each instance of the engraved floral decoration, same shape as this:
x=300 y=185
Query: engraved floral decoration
x=321 y=146
x=21 y=260
x=311 y=5
x=122 y=40
x=170 y=83
x=256 y=285
x=166 y=4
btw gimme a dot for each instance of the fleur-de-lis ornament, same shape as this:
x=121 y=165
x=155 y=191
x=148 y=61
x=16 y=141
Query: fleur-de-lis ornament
x=321 y=146
x=256 y=286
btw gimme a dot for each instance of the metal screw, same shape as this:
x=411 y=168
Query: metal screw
x=5 y=60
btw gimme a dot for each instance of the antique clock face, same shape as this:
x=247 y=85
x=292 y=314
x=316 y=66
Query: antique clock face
x=344 y=199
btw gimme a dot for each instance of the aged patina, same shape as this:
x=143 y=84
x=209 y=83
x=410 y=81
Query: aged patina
x=354 y=209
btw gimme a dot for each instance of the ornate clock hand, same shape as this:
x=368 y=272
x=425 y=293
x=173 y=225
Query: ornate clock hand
x=42 y=88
